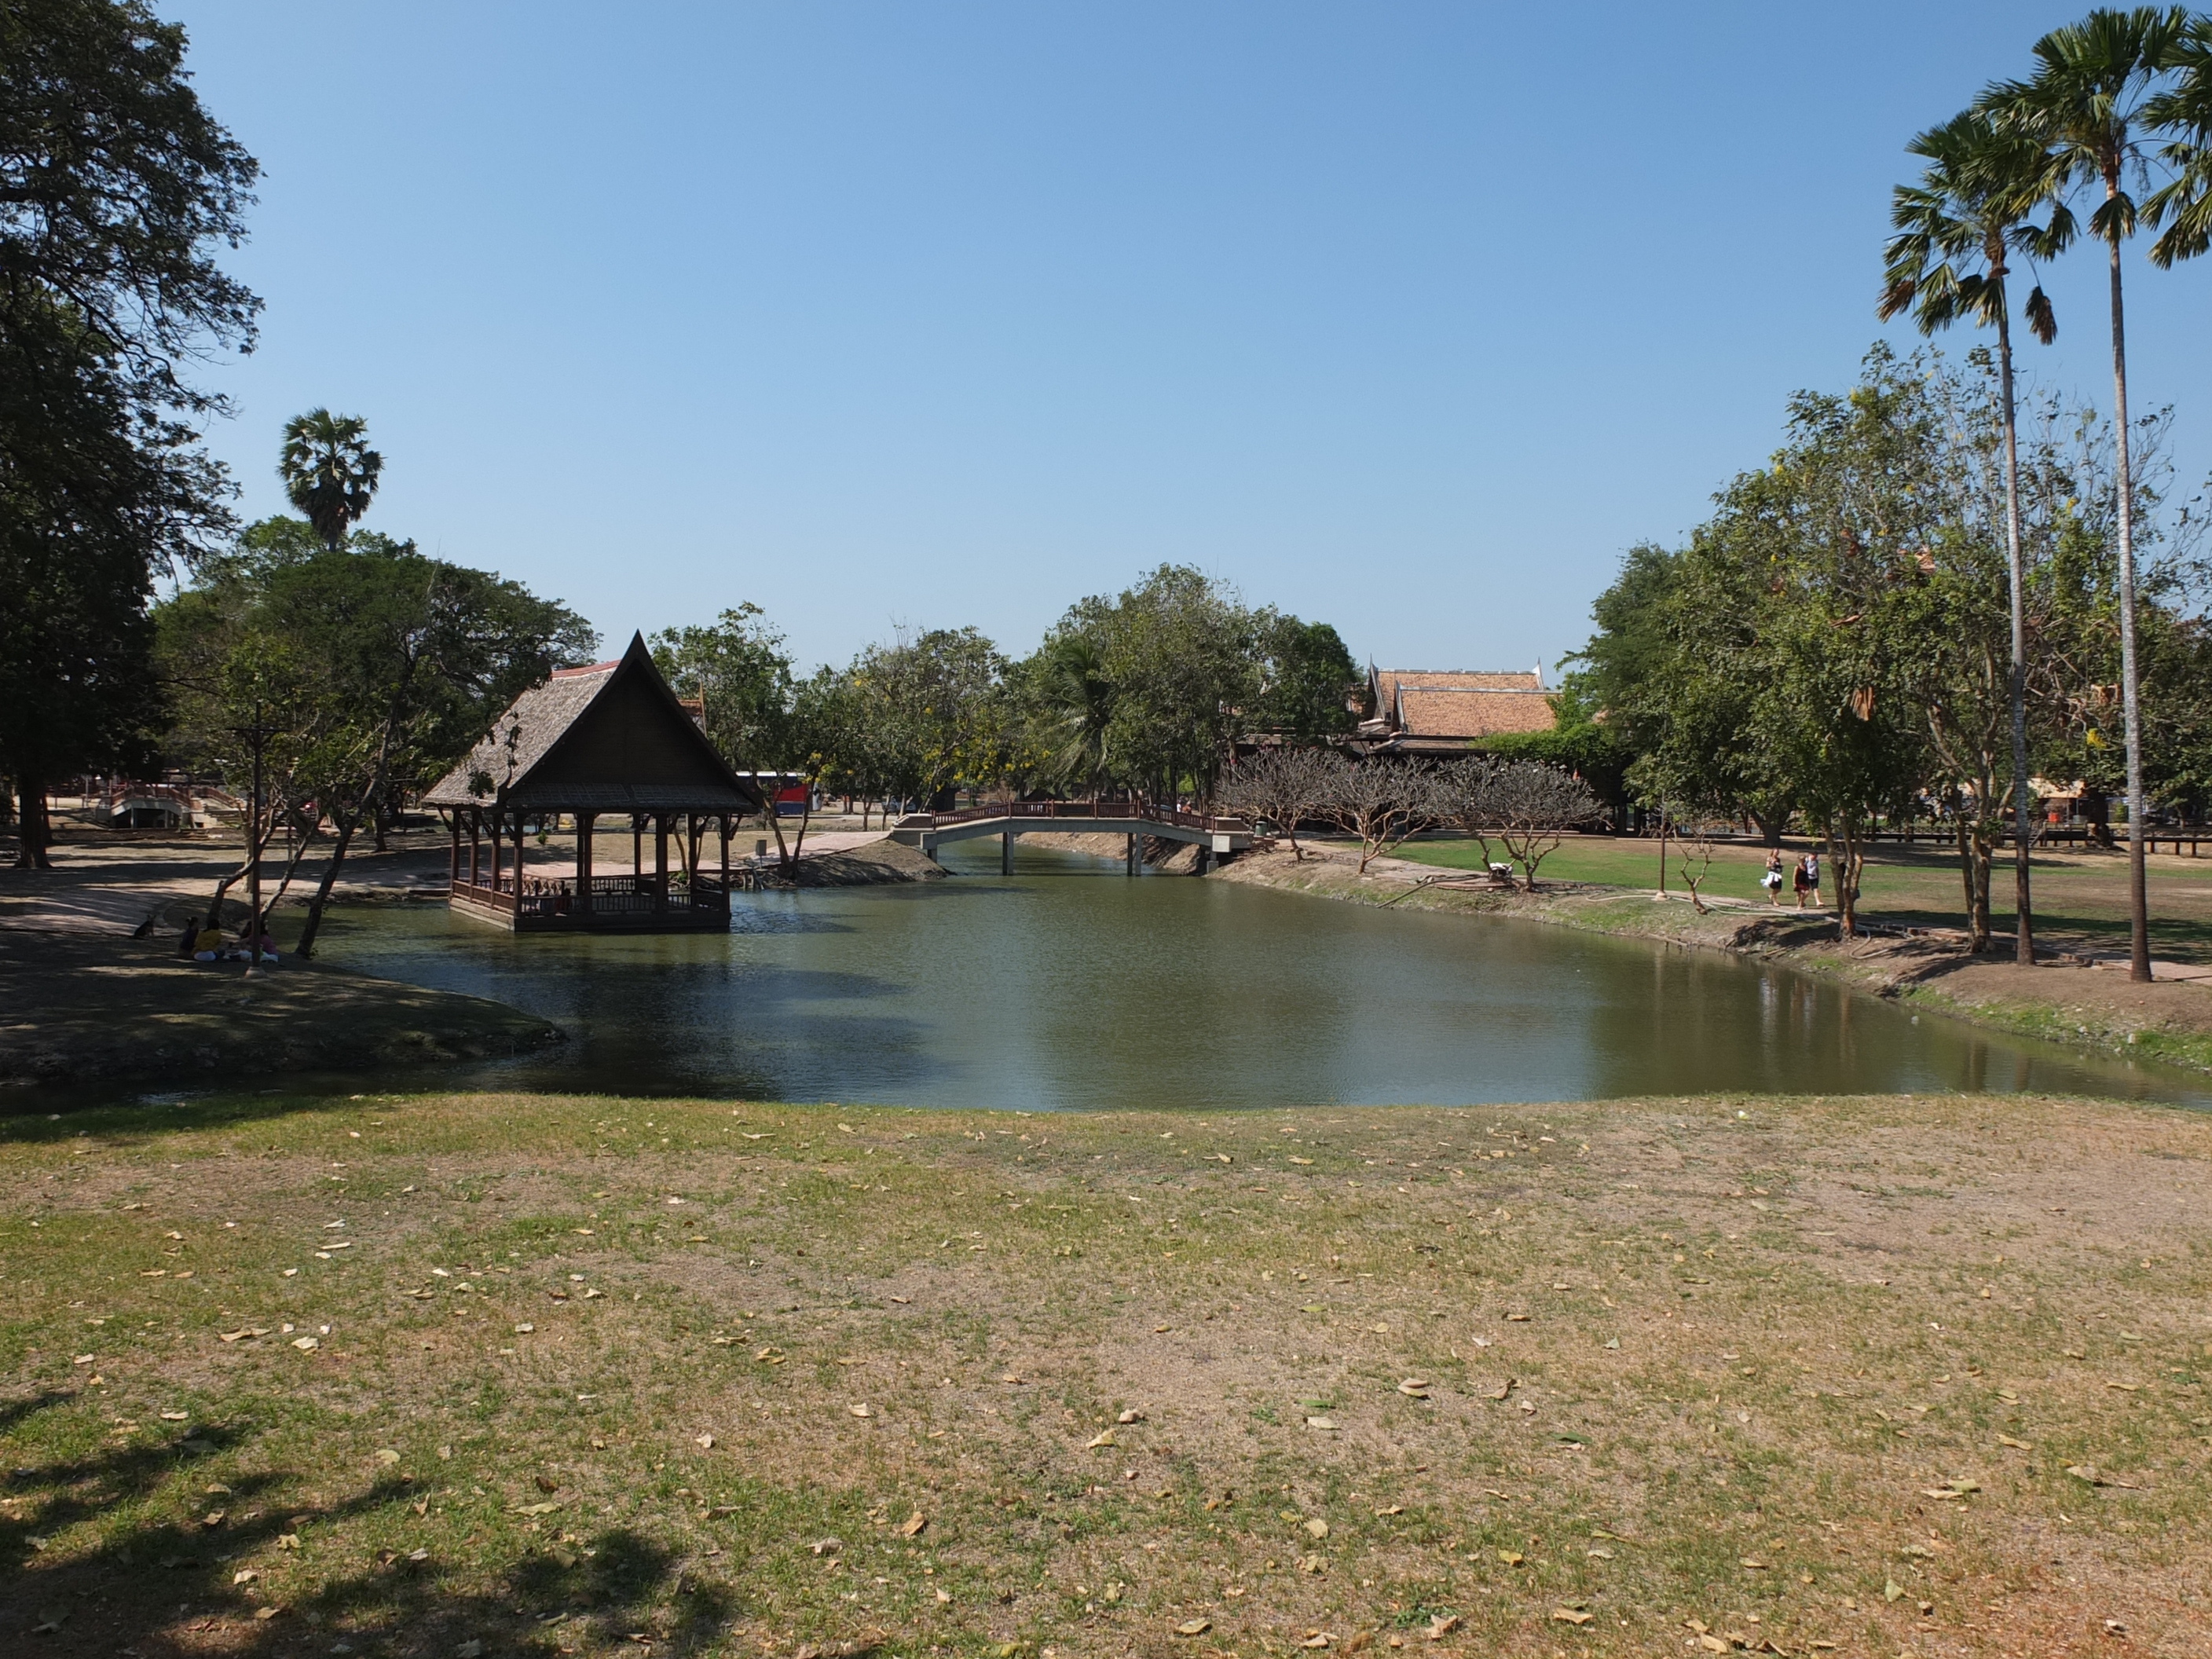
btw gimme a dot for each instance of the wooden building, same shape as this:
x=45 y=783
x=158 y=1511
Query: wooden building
x=607 y=741
x=1423 y=711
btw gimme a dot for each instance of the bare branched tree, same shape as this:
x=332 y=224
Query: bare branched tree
x=1283 y=786
x=1530 y=806
x=1383 y=805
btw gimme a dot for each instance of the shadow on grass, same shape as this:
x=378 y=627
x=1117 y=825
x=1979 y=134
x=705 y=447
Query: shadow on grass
x=164 y=1588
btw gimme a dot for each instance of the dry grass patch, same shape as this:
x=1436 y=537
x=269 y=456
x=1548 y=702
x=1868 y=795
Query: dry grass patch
x=464 y=1374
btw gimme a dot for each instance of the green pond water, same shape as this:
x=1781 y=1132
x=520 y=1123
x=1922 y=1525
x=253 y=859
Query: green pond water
x=1071 y=986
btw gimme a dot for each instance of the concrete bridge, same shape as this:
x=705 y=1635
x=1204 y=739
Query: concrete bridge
x=1211 y=833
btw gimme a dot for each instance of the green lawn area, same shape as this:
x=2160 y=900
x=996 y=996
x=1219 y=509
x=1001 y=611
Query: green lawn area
x=442 y=1376
x=2081 y=898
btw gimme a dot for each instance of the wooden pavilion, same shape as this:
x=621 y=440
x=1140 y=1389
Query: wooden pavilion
x=610 y=740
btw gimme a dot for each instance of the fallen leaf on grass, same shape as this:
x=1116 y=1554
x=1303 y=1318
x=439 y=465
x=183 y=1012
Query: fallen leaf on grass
x=1891 y=1590
x=705 y=1443
x=2096 y=1477
x=1751 y=1564
x=537 y=1508
x=1394 y=1509
x=912 y=1526
x=1317 y=1527
x=860 y=1411
x=244 y=1576
x=2017 y=1445
x=1414 y=1387
x=525 y=1328
x=1511 y=1558
x=770 y=1356
x=1104 y=1437
x=1194 y=1627
x=1571 y=1616
x=1323 y=1425
x=305 y=1344
x=1133 y=1415
x=1442 y=1624
x=1501 y=1390
x=243 y=1333
x=263 y=1615
x=386 y=1455
x=174 y=1417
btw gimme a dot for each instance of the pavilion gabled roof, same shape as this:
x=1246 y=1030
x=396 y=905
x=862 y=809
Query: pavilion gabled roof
x=610 y=737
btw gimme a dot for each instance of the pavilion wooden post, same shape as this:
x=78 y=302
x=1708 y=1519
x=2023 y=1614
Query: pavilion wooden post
x=584 y=823
x=476 y=847
x=453 y=863
x=637 y=845
x=726 y=860
x=496 y=826
x=518 y=860
x=659 y=863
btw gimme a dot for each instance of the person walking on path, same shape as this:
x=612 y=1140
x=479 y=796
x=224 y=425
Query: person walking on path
x=1808 y=880
x=1772 y=879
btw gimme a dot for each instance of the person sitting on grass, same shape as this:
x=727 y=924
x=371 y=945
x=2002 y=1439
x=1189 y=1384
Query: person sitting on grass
x=207 y=943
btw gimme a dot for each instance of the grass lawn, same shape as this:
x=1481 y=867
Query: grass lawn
x=2080 y=897
x=465 y=1376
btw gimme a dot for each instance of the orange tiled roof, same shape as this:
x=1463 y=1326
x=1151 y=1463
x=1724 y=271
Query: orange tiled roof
x=1431 y=703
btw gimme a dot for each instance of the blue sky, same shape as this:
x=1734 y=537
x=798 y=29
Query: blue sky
x=1409 y=318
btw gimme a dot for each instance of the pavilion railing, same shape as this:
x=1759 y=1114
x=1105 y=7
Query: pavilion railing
x=618 y=896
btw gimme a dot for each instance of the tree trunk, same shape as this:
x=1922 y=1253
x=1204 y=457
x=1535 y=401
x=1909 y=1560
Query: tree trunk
x=2016 y=686
x=306 y=947
x=2138 y=891
x=1770 y=830
x=36 y=833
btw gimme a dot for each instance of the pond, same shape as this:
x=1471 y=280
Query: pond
x=1070 y=986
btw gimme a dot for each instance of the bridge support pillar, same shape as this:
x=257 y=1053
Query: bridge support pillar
x=1007 y=853
x=1136 y=857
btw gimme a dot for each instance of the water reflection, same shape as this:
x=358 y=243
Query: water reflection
x=1069 y=986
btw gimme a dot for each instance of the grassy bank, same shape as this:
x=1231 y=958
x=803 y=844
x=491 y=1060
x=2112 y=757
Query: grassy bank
x=463 y=1376
x=91 y=1007
x=2080 y=897
x=2093 y=1008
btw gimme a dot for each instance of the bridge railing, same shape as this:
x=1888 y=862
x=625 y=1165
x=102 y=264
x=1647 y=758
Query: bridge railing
x=1133 y=812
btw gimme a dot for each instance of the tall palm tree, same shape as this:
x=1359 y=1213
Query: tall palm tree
x=2086 y=103
x=1956 y=229
x=2182 y=208
x=329 y=471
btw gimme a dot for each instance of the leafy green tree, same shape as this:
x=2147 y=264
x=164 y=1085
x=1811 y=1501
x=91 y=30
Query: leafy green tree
x=1957 y=230
x=739 y=668
x=393 y=665
x=329 y=471
x=2088 y=103
x=1307 y=679
x=1182 y=657
x=116 y=191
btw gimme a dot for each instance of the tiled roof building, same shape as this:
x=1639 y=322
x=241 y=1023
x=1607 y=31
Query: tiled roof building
x=1413 y=711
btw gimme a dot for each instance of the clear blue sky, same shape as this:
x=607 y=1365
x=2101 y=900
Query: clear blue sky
x=1407 y=316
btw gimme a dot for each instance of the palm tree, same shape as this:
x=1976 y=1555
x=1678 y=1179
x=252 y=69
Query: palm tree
x=329 y=471
x=1076 y=702
x=1956 y=231
x=2086 y=104
x=2184 y=207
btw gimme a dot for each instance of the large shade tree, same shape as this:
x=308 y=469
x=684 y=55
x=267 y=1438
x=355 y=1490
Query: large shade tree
x=117 y=192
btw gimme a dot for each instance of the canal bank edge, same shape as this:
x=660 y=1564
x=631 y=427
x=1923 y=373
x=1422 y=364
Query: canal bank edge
x=93 y=1008
x=2092 y=1009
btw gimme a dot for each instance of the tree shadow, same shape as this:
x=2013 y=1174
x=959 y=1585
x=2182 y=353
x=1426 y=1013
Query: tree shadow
x=164 y=1589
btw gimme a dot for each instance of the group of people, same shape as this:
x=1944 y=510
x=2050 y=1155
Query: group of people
x=204 y=941
x=1805 y=879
